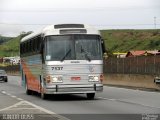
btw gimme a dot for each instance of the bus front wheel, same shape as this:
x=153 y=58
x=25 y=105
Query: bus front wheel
x=43 y=96
x=90 y=96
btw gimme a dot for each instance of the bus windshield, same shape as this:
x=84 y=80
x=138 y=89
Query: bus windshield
x=73 y=47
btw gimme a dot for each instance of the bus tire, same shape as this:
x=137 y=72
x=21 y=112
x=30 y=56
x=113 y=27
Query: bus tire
x=90 y=96
x=43 y=96
x=6 y=80
x=28 y=92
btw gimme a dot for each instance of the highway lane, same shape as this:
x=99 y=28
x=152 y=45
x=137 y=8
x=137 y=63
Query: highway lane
x=112 y=101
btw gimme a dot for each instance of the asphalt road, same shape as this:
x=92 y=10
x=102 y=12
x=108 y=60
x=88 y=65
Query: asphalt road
x=112 y=104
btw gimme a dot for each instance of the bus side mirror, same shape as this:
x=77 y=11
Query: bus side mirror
x=103 y=46
x=104 y=50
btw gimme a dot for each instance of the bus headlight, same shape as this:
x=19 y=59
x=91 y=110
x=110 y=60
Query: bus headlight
x=93 y=78
x=48 y=79
x=58 y=79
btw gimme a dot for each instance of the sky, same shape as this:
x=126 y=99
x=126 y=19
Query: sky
x=17 y=16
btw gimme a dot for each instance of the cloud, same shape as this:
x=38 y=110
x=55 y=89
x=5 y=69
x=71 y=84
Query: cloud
x=31 y=14
x=10 y=30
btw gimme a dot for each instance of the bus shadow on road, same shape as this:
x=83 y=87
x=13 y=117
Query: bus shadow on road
x=65 y=97
x=68 y=97
x=3 y=82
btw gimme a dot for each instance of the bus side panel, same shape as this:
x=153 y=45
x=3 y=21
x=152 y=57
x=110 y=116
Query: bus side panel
x=32 y=69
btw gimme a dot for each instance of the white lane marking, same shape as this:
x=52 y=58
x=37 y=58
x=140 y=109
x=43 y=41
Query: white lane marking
x=13 y=96
x=28 y=103
x=40 y=108
x=24 y=102
x=23 y=109
x=129 y=102
x=19 y=99
x=4 y=92
x=106 y=98
x=46 y=111
x=15 y=105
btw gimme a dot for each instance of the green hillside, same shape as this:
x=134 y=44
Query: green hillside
x=10 y=48
x=115 y=40
x=125 y=40
x=4 y=39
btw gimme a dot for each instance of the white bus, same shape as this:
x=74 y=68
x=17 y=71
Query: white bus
x=63 y=59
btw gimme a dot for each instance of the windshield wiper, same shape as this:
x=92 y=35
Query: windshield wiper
x=65 y=55
x=86 y=55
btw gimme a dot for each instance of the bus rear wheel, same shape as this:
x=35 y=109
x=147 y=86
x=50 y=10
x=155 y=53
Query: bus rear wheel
x=28 y=92
x=90 y=96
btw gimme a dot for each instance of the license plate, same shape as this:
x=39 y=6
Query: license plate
x=75 y=78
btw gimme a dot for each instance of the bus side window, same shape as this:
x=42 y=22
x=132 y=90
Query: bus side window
x=34 y=45
x=39 y=43
x=21 y=48
x=30 y=46
x=25 y=49
x=27 y=46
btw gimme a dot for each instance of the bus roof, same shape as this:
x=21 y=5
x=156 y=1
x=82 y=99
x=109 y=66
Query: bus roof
x=60 y=29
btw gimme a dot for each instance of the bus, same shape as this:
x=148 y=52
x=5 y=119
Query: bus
x=63 y=59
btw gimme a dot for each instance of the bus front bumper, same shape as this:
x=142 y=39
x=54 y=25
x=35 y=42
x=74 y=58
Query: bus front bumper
x=73 y=89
